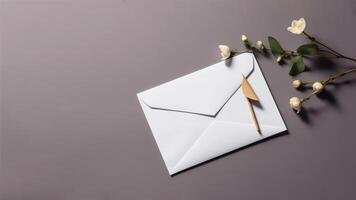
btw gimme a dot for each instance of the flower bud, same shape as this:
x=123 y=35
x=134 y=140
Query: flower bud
x=244 y=38
x=296 y=104
x=225 y=52
x=259 y=45
x=318 y=87
x=280 y=59
x=297 y=83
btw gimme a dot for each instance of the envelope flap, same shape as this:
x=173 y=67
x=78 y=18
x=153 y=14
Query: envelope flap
x=204 y=91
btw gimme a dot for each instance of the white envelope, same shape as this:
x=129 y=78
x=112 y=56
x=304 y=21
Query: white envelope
x=204 y=114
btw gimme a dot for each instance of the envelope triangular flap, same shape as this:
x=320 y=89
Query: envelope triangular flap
x=204 y=91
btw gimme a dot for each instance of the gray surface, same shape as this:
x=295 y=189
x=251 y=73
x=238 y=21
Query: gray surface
x=72 y=128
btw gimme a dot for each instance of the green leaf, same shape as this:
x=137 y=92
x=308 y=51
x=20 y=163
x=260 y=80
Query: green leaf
x=276 y=48
x=296 y=65
x=308 y=49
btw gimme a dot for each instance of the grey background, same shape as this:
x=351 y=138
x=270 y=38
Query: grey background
x=72 y=128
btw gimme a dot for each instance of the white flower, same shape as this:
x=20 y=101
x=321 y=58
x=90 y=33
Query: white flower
x=297 y=83
x=318 y=87
x=296 y=104
x=279 y=59
x=225 y=52
x=297 y=26
x=244 y=38
x=259 y=45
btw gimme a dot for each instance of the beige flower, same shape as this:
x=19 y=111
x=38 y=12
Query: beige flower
x=296 y=104
x=280 y=59
x=297 y=26
x=318 y=87
x=244 y=38
x=259 y=45
x=297 y=83
x=225 y=52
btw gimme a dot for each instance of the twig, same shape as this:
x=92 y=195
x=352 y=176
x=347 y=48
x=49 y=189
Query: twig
x=308 y=97
x=337 y=76
x=335 y=53
x=327 y=81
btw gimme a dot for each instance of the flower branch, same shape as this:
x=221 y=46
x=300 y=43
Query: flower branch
x=295 y=59
x=317 y=87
